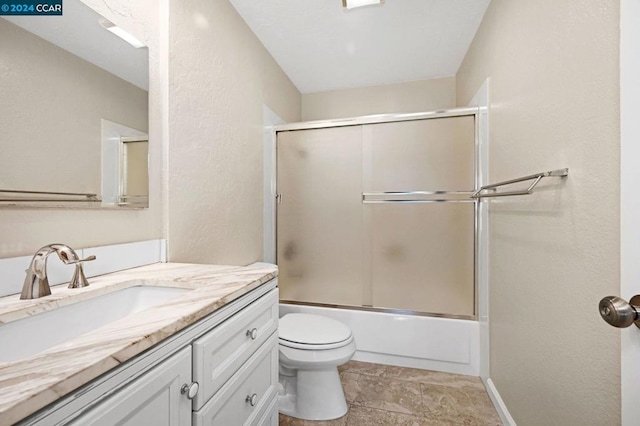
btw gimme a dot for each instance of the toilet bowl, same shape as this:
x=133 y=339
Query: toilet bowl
x=311 y=349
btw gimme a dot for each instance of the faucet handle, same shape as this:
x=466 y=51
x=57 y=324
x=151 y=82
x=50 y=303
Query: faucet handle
x=79 y=261
x=79 y=279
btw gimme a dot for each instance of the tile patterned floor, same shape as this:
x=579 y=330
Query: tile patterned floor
x=381 y=395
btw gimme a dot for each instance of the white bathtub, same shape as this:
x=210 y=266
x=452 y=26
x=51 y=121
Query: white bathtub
x=441 y=344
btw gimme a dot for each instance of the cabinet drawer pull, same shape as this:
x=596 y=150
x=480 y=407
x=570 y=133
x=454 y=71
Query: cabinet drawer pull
x=251 y=399
x=191 y=389
x=253 y=333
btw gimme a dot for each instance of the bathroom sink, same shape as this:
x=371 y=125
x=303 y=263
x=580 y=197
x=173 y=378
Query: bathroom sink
x=29 y=336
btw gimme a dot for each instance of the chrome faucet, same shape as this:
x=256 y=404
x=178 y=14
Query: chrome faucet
x=36 y=283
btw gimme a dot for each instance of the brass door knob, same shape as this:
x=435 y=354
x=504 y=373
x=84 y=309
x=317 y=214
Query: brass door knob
x=618 y=313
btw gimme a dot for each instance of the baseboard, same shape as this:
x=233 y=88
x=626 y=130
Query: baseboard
x=498 y=403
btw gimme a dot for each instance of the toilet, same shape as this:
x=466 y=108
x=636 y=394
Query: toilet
x=311 y=349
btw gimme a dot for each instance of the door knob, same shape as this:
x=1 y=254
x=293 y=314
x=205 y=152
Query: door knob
x=619 y=313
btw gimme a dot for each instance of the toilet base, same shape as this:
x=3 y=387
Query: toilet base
x=313 y=395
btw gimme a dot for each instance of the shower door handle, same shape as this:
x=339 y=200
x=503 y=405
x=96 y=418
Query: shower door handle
x=618 y=313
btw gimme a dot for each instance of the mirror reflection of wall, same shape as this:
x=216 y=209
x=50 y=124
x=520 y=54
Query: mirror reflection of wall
x=125 y=152
x=56 y=92
x=135 y=183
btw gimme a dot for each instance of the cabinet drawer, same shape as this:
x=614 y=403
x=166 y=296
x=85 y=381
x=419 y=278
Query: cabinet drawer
x=256 y=379
x=220 y=353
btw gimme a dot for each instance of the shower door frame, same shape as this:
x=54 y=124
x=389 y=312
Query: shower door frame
x=393 y=118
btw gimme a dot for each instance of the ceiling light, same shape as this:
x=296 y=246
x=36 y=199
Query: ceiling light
x=110 y=26
x=350 y=4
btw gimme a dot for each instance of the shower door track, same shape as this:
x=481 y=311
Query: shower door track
x=391 y=118
x=395 y=311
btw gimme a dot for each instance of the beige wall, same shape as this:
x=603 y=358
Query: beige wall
x=220 y=76
x=414 y=96
x=554 y=103
x=23 y=231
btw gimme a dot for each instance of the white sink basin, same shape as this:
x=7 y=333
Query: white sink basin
x=29 y=336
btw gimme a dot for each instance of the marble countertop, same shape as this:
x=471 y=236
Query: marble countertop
x=32 y=383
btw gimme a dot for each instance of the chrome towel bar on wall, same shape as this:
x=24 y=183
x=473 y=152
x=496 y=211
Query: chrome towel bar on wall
x=486 y=191
x=536 y=178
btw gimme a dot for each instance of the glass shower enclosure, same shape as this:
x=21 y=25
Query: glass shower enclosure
x=376 y=213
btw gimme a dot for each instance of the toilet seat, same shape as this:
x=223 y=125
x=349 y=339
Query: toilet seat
x=313 y=332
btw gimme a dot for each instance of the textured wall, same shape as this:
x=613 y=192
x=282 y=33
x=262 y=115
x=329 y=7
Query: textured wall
x=23 y=231
x=414 y=96
x=554 y=103
x=220 y=77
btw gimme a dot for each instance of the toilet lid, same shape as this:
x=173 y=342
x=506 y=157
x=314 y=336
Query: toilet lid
x=312 y=329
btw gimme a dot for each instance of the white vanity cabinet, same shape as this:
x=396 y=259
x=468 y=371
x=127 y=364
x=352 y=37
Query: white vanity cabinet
x=153 y=399
x=232 y=354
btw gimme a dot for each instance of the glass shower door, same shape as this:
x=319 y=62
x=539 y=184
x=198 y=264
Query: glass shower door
x=422 y=253
x=352 y=231
x=319 y=232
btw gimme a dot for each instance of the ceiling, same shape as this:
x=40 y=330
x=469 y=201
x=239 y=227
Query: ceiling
x=322 y=46
x=79 y=31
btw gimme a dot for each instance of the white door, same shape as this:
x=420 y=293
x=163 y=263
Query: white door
x=630 y=200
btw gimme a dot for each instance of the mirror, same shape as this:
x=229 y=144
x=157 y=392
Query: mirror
x=74 y=112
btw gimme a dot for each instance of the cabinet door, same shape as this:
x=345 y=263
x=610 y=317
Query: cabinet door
x=153 y=399
x=270 y=416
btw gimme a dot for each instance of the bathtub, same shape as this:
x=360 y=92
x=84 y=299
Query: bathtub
x=432 y=343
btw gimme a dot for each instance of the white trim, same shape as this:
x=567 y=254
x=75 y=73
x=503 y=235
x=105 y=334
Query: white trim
x=165 y=118
x=629 y=201
x=481 y=101
x=163 y=251
x=269 y=119
x=498 y=403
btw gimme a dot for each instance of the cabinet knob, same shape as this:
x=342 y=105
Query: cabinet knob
x=253 y=333
x=251 y=399
x=190 y=389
